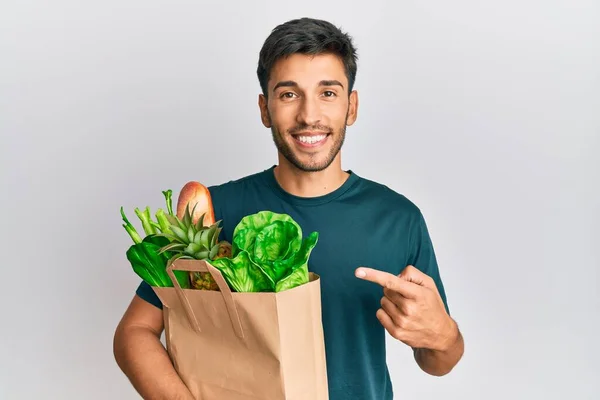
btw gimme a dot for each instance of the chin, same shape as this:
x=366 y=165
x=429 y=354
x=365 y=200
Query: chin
x=310 y=165
x=313 y=157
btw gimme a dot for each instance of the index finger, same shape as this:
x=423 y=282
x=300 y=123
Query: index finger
x=387 y=281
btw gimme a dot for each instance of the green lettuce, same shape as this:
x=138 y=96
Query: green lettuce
x=269 y=254
x=242 y=274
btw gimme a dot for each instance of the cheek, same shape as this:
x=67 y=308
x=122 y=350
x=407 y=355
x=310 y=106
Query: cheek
x=336 y=112
x=286 y=111
x=283 y=118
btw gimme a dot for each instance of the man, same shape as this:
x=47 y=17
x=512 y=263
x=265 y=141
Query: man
x=375 y=258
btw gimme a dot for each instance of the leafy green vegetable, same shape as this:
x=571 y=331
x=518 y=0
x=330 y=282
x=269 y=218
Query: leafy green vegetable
x=130 y=228
x=242 y=274
x=297 y=265
x=163 y=222
x=269 y=254
x=146 y=218
x=169 y=199
x=145 y=255
x=151 y=266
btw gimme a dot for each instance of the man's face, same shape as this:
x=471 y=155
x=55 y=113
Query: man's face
x=308 y=108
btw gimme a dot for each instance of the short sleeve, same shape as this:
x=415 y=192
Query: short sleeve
x=145 y=292
x=422 y=255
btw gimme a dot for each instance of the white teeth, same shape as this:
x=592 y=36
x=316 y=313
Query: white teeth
x=311 y=139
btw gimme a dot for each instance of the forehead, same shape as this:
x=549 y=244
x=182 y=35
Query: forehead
x=308 y=70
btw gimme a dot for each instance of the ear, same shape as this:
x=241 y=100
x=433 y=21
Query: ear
x=264 y=110
x=352 y=108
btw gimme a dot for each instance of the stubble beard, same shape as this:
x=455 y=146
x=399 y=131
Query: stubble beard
x=287 y=152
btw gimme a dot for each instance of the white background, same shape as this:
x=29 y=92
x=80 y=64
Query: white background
x=485 y=114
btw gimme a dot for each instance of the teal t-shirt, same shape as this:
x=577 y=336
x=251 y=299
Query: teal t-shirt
x=362 y=223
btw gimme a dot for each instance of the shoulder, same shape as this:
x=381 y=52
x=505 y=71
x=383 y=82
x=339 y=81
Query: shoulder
x=236 y=185
x=231 y=197
x=389 y=198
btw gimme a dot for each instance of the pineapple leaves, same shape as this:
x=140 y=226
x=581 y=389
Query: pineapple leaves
x=200 y=222
x=193 y=248
x=174 y=221
x=214 y=251
x=179 y=233
x=172 y=246
x=187 y=216
x=201 y=255
x=197 y=237
x=169 y=236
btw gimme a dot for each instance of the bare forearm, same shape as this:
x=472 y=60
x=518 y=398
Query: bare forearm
x=144 y=360
x=441 y=361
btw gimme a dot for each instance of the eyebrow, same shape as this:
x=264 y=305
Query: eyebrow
x=326 y=82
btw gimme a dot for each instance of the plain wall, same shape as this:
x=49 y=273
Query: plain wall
x=485 y=114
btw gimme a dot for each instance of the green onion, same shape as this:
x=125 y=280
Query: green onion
x=130 y=228
x=146 y=219
x=163 y=222
x=168 y=193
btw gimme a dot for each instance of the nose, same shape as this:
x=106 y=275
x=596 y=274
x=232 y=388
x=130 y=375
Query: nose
x=309 y=112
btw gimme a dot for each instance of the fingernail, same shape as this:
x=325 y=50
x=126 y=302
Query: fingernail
x=360 y=273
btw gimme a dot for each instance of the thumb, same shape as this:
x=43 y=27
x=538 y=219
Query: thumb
x=414 y=275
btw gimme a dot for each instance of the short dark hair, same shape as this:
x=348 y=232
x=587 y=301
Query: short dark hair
x=306 y=36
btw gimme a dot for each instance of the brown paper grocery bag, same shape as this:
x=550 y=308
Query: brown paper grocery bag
x=245 y=346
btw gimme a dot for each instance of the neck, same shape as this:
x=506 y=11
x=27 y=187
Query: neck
x=309 y=184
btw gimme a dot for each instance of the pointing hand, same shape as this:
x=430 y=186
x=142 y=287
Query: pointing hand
x=412 y=310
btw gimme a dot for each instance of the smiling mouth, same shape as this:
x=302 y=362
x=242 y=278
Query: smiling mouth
x=311 y=140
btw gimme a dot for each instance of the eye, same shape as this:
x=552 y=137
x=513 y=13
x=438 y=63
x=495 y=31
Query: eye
x=287 y=95
x=329 y=93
